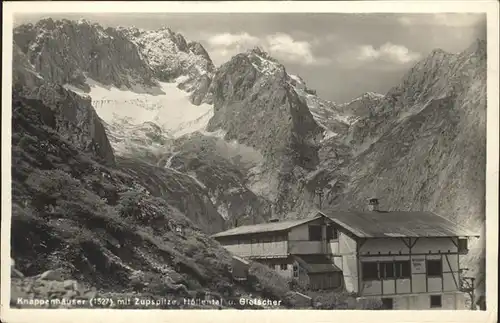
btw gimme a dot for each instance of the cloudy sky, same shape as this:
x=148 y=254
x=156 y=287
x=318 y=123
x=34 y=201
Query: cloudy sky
x=340 y=55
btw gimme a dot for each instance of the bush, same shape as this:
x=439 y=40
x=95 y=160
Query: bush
x=138 y=206
x=56 y=187
x=370 y=304
x=332 y=299
x=269 y=283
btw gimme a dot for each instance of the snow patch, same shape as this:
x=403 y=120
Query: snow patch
x=194 y=125
x=219 y=133
x=367 y=95
x=296 y=78
x=193 y=177
x=265 y=66
x=328 y=135
x=167 y=106
x=223 y=211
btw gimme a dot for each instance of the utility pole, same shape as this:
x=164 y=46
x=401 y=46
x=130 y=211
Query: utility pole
x=319 y=193
x=468 y=287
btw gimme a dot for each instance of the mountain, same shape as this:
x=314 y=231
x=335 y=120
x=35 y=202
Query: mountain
x=119 y=226
x=248 y=141
x=255 y=105
x=222 y=169
x=171 y=56
x=76 y=117
x=68 y=52
x=425 y=148
x=95 y=228
x=429 y=133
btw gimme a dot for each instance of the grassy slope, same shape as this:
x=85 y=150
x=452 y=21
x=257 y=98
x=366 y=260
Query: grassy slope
x=99 y=225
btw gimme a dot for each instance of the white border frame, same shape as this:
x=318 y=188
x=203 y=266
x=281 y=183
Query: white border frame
x=94 y=315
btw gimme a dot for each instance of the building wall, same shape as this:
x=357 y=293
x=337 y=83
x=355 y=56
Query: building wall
x=344 y=251
x=299 y=242
x=305 y=247
x=450 y=301
x=397 y=245
x=330 y=280
x=240 y=267
x=276 y=265
x=257 y=247
x=423 y=249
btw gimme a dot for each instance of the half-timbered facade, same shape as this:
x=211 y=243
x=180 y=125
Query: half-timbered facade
x=411 y=260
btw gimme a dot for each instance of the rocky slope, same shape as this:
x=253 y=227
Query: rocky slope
x=171 y=56
x=428 y=134
x=75 y=116
x=67 y=51
x=426 y=147
x=222 y=169
x=255 y=104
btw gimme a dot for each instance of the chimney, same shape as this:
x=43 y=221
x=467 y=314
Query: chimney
x=373 y=204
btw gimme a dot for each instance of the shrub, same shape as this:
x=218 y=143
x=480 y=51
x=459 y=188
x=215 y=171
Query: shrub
x=332 y=299
x=269 y=283
x=134 y=205
x=370 y=304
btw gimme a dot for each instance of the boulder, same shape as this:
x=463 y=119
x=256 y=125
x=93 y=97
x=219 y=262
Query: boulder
x=56 y=275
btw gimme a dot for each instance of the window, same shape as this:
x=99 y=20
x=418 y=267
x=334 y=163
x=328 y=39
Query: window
x=283 y=267
x=387 y=303
x=434 y=268
x=462 y=246
x=402 y=269
x=295 y=270
x=370 y=271
x=331 y=233
x=435 y=301
x=387 y=270
x=315 y=233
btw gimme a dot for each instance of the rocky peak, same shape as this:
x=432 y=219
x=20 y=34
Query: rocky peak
x=170 y=55
x=255 y=104
x=362 y=106
x=65 y=52
x=258 y=51
x=265 y=64
x=198 y=49
x=46 y=23
x=478 y=49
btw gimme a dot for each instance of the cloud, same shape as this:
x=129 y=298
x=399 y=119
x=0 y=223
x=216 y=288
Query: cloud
x=388 y=52
x=280 y=45
x=227 y=40
x=443 y=19
x=284 y=47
